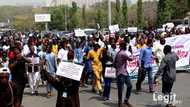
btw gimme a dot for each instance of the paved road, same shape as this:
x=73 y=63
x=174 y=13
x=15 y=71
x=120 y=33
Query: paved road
x=89 y=99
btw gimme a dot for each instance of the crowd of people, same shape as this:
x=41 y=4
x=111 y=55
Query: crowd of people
x=33 y=59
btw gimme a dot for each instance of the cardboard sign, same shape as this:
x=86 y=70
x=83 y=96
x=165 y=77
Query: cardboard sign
x=70 y=70
x=79 y=33
x=114 y=28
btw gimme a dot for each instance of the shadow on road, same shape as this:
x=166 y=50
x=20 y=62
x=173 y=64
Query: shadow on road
x=157 y=105
x=110 y=104
x=98 y=98
x=39 y=94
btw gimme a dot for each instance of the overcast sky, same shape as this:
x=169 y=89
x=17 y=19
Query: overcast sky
x=22 y=2
x=29 y=2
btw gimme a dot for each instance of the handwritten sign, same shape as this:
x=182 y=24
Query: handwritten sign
x=70 y=70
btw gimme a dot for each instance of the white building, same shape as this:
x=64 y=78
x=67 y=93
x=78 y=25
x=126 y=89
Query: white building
x=80 y=3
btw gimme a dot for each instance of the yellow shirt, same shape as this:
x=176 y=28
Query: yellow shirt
x=96 y=63
x=55 y=49
x=140 y=46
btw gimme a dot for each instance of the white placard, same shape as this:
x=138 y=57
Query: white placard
x=42 y=17
x=132 y=29
x=114 y=28
x=79 y=33
x=70 y=70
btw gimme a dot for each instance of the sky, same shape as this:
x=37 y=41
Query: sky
x=22 y=2
x=30 y=2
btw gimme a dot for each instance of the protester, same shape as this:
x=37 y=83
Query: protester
x=62 y=54
x=95 y=56
x=67 y=89
x=51 y=64
x=8 y=90
x=167 y=69
x=33 y=71
x=19 y=75
x=120 y=63
x=145 y=64
x=158 y=51
x=87 y=65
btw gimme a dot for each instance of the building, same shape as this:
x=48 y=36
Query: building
x=80 y=3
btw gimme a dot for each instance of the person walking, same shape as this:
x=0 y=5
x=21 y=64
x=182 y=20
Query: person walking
x=19 y=74
x=120 y=63
x=95 y=55
x=8 y=90
x=33 y=71
x=67 y=89
x=145 y=64
x=51 y=64
x=167 y=69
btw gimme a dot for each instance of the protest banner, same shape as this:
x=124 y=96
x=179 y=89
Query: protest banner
x=180 y=45
x=70 y=70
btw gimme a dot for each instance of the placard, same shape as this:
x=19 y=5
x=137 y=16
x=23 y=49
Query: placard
x=70 y=70
x=114 y=28
x=79 y=33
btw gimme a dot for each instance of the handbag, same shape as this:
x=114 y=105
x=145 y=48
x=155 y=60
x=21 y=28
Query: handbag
x=110 y=72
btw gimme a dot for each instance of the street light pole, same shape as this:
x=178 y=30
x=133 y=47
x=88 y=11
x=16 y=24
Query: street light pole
x=109 y=12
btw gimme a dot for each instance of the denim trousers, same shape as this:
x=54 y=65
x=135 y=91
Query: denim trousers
x=49 y=88
x=107 y=87
x=141 y=76
x=121 y=80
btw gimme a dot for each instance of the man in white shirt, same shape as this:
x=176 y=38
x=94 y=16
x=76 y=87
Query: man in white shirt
x=158 y=51
x=62 y=54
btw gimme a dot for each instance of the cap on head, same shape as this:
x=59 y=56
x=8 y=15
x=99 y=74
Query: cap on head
x=4 y=70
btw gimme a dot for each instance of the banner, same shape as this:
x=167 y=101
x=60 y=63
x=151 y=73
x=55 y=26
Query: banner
x=70 y=70
x=180 y=45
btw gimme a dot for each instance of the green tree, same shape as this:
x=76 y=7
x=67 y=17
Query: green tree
x=125 y=13
x=169 y=9
x=73 y=16
x=57 y=14
x=188 y=4
x=160 y=10
x=118 y=13
x=140 y=18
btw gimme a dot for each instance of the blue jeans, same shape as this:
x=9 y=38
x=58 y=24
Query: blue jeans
x=107 y=87
x=121 y=80
x=49 y=88
x=142 y=75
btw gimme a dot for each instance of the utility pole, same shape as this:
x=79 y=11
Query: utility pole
x=109 y=12
x=65 y=18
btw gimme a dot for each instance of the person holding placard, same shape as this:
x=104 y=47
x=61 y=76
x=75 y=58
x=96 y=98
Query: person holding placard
x=67 y=89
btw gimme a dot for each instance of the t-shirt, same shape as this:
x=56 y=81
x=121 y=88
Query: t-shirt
x=62 y=54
